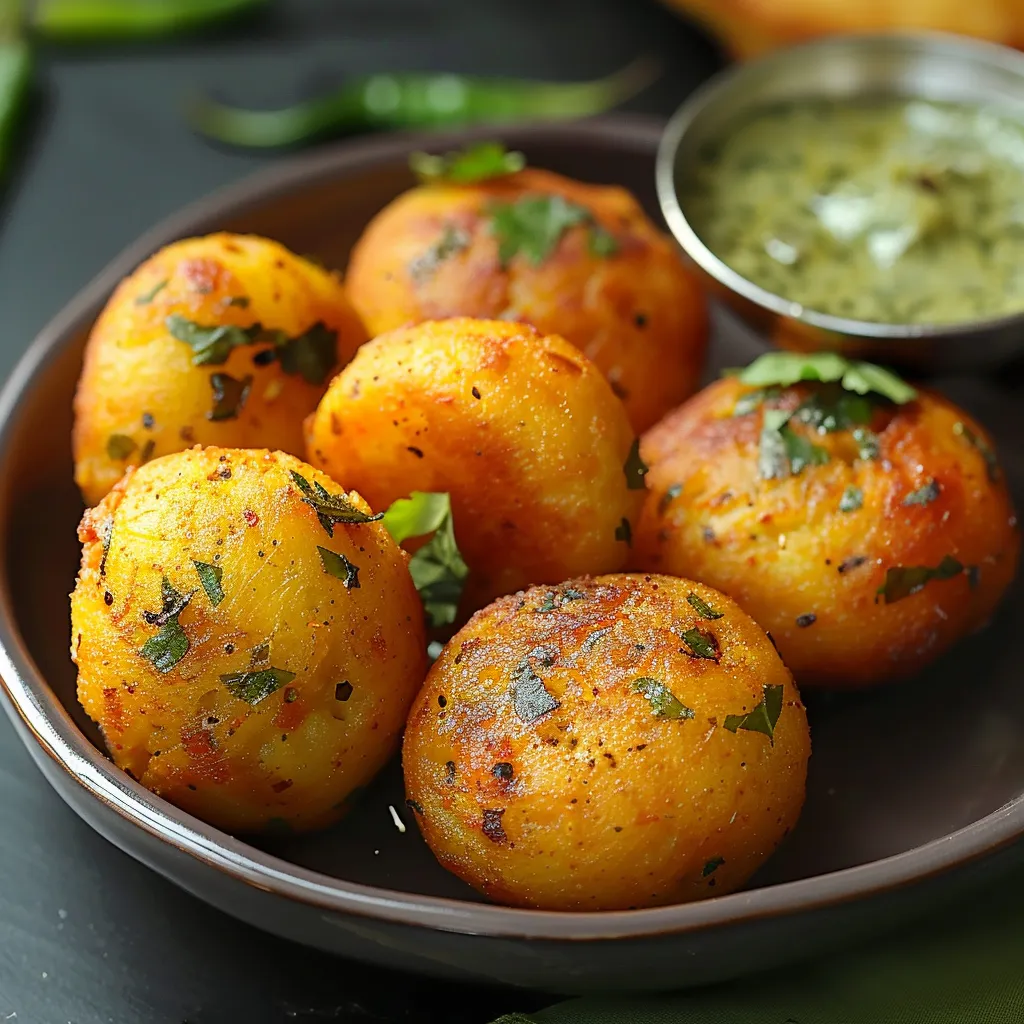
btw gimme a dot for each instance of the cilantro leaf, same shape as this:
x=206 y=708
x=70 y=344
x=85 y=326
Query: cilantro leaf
x=830 y=412
x=785 y=368
x=421 y=513
x=903 y=580
x=310 y=355
x=924 y=495
x=702 y=608
x=479 y=162
x=119 y=447
x=453 y=240
x=533 y=225
x=210 y=577
x=635 y=468
x=211 y=346
x=229 y=396
x=868 y=445
x=255 y=686
x=624 y=532
x=331 y=508
x=712 y=866
x=702 y=643
x=171 y=644
x=763 y=718
x=783 y=452
x=529 y=697
x=664 y=703
x=338 y=566
x=852 y=499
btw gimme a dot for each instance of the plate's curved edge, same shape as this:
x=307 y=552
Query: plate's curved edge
x=40 y=719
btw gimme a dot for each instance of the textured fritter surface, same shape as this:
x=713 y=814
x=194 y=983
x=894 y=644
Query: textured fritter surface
x=571 y=751
x=239 y=661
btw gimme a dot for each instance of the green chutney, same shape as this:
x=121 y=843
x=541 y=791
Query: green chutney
x=894 y=211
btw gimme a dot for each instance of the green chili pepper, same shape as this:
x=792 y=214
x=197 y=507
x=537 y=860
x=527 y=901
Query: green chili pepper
x=90 y=20
x=417 y=101
x=15 y=77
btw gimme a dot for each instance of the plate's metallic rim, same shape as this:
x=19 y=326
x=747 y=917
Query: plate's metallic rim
x=43 y=722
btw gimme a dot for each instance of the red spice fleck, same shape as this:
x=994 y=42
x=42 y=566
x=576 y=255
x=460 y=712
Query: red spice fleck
x=250 y=517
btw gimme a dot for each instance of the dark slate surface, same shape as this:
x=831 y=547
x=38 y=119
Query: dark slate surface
x=87 y=936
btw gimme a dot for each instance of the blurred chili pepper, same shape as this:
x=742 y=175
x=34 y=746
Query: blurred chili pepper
x=417 y=101
x=75 y=21
x=15 y=76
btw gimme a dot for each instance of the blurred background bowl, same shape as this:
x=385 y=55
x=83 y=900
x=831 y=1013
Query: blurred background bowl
x=927 y=66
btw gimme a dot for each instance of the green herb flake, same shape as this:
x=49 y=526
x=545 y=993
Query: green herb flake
x=624 y=532
x=702 y=608
x=119 y=447
x=533 y=225
x=331 y=508
x=529 y=697
x=437 y=568
x=664 y=703
x=210 y=577
x=751 y=401
x=240 y=301
x=480 y=162
x=338 y=566
x=763 y=718
x=852 y=499
x=976 y=441
x=635 y=468
x=712 y=866
x=171 y=644
x=702 y=644
x=311 y=355
x=147 y=297
x=869 y=446
x=828 y=413
x=554 y=599
x=782 y=452
x=147 y=451
x=671 y=493
x=211 y=346
x=783 y=369
x=453 y=240
x=229 y=396
x=903 y=580
x=923 y=495
x=106 y=533
x=255 y=686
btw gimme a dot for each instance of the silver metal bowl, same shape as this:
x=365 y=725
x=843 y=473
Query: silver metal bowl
x=928 y=66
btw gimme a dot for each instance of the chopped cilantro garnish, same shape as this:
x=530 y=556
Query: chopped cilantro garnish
x=924 y=495
x=903 y=580
x=763 y=718
x=170 y=645
x=338 y=566
x=533 y=225
x=479 y=162
x=210 y=577
x=852 y=499
x=331 y=508
x=635 y=468
x=785 y=368
x=229 y=396
x=664 y=703
x=702 y=643
x=702 y=608
x=119 y=447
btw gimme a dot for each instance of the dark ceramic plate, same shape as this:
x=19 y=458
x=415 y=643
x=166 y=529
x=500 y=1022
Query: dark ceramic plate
x=914 y=793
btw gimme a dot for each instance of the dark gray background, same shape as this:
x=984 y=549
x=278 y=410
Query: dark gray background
x=87 y=936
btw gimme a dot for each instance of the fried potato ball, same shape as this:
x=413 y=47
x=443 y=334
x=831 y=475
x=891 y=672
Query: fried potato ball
x=866 y=553
x=520 y=429
x=247 y=653
x=578 y=260
x=225 y=340
x=609 y=743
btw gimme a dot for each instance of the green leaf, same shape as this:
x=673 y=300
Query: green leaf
x=702 y=608
x=751 y=401
x=975 y=441
x=119 y=447
x=421 y=513
x=556 y=598
x=479 y=162
x=852 y=499
x=533 y=225
x=802 y=452
x=171 y=644
x=763 y=718
x=712 y=866
x=785 y=368
x=602 y=243
x=529 y=697
x=664 y=703
x=828 y=413
x=783 y=452
x=210 y=577
x=624 y=532
x=923 y=495
x=338 y=566
x=15 y=86
x=903 y=580
x=255 y=686
x=229 y=396
x=635 y=468
x=311 y=355
x=331 y=508
x=453 y=240
x=211 y=346
x=147 y=297
x=868 y=445
x=671 y=493
x=702 y=643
